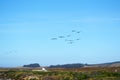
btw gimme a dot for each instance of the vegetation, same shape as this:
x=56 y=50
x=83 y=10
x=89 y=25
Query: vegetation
x=67 y=66
x=32 y=65
x=62 y=74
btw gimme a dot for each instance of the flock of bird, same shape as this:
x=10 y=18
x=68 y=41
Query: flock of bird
x=70 y=38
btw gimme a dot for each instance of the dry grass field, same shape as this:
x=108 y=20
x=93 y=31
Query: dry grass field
x=88 y=73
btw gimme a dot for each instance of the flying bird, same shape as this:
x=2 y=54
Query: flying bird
x=68 y=35
x=70 y=38
x=77 y=39
x=70 y=43
x=78 y=31
x=54 y=39
x=61 y=37
x=73 y=30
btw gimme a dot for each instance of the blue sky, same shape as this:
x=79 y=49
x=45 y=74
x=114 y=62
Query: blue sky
x=27 y=26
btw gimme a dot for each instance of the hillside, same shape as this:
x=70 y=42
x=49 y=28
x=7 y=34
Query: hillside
x=80 y=65
x=110 y=64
